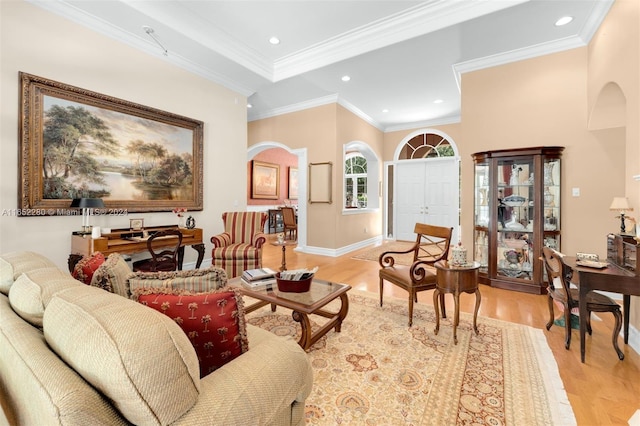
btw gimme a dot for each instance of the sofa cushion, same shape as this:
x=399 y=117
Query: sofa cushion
x=15 y=263
x=31 y=292
x=112 y=275
x=236 y=251
x=37 y=387
x=213 y=321
x=85 y=268
x=137 y=357
x=193 y=280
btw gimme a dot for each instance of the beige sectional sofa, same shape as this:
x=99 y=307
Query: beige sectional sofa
x=73 y=354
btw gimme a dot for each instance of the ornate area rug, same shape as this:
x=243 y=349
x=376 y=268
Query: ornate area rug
x=377 y=371
x=374 y=253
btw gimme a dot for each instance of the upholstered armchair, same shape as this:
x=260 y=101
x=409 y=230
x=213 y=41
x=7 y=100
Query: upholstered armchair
x=239 y=247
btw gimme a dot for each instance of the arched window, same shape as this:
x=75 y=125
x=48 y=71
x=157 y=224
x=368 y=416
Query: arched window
x=355 y=180
x=361 y=177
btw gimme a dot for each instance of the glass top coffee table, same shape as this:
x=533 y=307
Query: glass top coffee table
x=320 y=294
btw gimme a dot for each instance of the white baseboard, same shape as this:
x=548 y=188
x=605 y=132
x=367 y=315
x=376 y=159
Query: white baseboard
x=340 y=251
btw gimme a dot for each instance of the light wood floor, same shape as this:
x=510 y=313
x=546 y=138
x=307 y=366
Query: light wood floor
x=602 y=391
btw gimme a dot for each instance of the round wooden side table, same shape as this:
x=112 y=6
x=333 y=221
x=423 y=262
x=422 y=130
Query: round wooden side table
x=456 y=280
x=284 y=245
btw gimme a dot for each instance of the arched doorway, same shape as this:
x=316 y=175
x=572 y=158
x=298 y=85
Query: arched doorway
x=302 y=184
x=423 y=184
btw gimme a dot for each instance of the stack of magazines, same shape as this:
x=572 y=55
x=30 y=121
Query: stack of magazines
x=298 y=274
x=258 y=279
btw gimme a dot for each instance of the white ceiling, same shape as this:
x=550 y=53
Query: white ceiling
x=401 y=55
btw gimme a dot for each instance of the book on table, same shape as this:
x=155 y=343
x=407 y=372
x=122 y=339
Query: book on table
x=258 y=284
x=258 y=274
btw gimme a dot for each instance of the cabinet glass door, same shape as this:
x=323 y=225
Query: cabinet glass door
x=551 y=197
x=516 y=217
x=482 y=216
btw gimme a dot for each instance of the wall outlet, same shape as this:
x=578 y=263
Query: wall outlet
x=575 y=192
x=366 y=230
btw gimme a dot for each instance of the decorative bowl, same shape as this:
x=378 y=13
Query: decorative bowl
x=293 y=286
x=514 y=200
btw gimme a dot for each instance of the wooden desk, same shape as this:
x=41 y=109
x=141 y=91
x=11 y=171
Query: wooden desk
x=456 y=280
x=612 y=279
x=116 y=242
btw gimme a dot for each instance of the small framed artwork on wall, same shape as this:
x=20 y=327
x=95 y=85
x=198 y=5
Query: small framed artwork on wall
x=265 y=180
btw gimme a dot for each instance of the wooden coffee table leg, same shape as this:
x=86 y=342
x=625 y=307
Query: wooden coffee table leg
x=305 y=336
x=344 y=310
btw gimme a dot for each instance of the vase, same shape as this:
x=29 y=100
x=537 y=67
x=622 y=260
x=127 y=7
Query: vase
x=181 y=222
x=548 y=197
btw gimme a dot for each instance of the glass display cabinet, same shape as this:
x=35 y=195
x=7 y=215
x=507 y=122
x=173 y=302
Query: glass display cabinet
x=516 y=213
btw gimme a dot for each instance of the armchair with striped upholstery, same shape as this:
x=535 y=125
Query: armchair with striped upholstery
x=239 y=247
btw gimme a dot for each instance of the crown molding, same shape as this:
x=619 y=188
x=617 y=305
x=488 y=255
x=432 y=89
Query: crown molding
x=515 y=56
x=300 y=106
x=68 y=11
x=200 y=31
x=359 y=113
x=601 y=8
x=413 y=22
x=441 y=121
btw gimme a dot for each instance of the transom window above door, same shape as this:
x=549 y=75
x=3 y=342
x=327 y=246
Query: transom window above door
x=427 y=145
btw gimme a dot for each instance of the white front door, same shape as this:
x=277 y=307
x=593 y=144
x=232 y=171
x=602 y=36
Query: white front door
x=426 y=191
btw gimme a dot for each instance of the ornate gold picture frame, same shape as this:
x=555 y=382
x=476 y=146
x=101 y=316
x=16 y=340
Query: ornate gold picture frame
x=75 y=143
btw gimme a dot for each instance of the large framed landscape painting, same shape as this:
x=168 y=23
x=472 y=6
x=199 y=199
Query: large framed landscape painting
x=75 y=143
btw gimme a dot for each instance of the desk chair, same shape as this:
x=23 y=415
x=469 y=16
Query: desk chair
x=432 y=244
x=164 y=254
x=290 y=224
x=559 y=288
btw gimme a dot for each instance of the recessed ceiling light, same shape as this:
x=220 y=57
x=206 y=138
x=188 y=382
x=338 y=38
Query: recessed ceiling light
x=249 y=106
x=564 y=21
x=274 y=40
x=438 y=101
x=385 y=110
x=345 y=78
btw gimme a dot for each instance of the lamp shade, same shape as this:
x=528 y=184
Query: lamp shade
x=88 y=203
x=620 y=204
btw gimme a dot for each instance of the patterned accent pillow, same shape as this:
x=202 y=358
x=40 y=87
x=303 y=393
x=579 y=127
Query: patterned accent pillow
x=87 y=266
x=214 y=322
x=112 y=275
x=193 y=280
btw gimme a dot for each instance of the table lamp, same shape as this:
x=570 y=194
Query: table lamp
x=621 y=204
x=87 y=205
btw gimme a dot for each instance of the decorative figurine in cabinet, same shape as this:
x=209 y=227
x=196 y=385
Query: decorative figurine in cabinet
x=516 y=213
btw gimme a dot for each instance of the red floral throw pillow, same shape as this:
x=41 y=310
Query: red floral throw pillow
x=213 y=321
x=84 y=269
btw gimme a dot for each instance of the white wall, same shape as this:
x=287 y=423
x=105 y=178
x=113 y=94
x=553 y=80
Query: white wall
x=40 y=43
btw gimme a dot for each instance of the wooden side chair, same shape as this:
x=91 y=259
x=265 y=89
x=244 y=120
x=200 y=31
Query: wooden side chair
x=432 y=244
x=559 y=288
x=239 y=247
x=164 y=247
x=290 y=224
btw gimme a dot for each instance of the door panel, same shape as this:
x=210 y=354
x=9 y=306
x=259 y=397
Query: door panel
x=409 y=206
x=427 y=192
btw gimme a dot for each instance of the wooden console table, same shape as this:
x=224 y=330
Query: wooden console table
x=123 y=241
